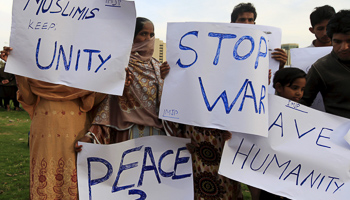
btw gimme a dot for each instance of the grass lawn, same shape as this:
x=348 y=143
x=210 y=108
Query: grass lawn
x=14 y=156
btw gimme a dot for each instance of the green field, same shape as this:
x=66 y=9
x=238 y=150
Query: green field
x=14 y=154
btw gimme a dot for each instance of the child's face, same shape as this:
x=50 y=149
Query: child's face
x=294 y=91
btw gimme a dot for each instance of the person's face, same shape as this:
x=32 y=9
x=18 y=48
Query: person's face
x=320 y=32
x=294 y=92
x=245 y=18
x=146 y=33
x=341 y=45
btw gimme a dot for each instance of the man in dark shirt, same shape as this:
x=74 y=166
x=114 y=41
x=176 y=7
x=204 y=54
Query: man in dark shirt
x=330 y=75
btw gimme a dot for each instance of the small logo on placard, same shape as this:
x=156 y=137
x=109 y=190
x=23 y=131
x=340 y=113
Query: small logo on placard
x=170 y=113
x=113 y=3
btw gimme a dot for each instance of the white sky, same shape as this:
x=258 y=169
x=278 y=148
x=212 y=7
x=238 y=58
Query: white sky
x=292 y=16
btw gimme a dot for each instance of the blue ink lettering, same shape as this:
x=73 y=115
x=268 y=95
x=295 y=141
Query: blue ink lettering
x=163 y=173
x=25 y=7
x=81 y=12
x=221 y=36
x=57 y=8
x=293 y=105
x=77 y=63
x=142 y=194
x=249 y=96
x=178 y=161
x=223 y=96
x=274 y=124
x=297 y=174
x=260 y=54
x=320 y=182
x=102 y=61
x=51 y=26
x=170 y=113
x=90 y=51
x=262 y=96
x=332 y=178
x=278 y=165
x=40 y=25
x=284 y=167
x=44 y=25
x=92 y=13
x=195 y=33
x=99 y=180
x=63 y=14
x=312 y=182
x=296 y=126
x=148 y=151
x=115 y=187
x=235 y=53
x=45 y=10
x=321 y=136
x=61 y=51
x=68 y=64
x=338 y=187
x=246 y=155
x=30 y=24
x=251 y=164
x=37 y=56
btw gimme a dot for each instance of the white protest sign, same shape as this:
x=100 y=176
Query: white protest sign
x=303 y=58
x=304 y=157
x=218 y=77
x=153 y=167
x=82 y=44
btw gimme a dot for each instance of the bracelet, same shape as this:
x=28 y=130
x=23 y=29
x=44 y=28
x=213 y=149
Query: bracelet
x=93 y=137
x=90 y=136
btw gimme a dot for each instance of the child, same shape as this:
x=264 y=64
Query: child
x=290 y=83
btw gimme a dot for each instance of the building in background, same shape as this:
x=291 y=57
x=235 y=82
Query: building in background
x=159 y=50
x=287 y=48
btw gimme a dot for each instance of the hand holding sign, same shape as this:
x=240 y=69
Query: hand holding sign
x=5 y=53
x=281 y=56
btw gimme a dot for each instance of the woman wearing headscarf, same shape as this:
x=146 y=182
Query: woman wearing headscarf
x=135 y=113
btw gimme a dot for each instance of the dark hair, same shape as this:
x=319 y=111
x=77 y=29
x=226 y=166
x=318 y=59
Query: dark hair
x=242 y=8
x=339 y=23
x=321 y=13
x=287 y=76
x=140 y=22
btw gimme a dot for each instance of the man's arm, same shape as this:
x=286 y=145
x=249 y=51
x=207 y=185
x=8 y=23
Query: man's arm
x=313 y=86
